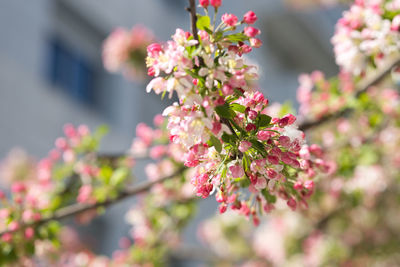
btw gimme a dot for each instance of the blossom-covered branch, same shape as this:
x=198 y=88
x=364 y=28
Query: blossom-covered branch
x=78 y=208
x=362 y=87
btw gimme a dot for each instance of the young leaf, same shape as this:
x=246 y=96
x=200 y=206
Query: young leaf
x=237 y=37
x=270 y=198
x=224 y=111
x=237 y=107
x=258 y=146
x=119 y=176
x=264 y=120
x=203 y=22
x=216 y=143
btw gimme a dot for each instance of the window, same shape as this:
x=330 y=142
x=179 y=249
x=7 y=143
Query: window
x=70 y=71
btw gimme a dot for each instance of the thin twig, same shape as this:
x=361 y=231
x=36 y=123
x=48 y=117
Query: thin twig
x=79 y=207
x=360 y=89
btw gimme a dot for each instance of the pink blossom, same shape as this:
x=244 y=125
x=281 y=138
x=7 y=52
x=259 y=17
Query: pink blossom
x=13 y=226
x=7 y=237
x=229 y=19
x=236 y=171
x=250 y=17
x=18 y=187
x=309 y=185
x=244 y=146
x=154 y=48
x=255 y=42
x=263 y=135
x=251 y=31
x=227 y=89
x=273 y=159
x=157 y=152
x=252 y=114
x=85 y=193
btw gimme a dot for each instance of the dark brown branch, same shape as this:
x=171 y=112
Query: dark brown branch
x=79 y=208
x=360 y=89
x=193 y=18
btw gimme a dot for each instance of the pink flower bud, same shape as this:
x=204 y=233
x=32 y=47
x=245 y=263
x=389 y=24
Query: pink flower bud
x=273 y=160
x=18 y=187
x=204 y=3
x=250 y=17
x=29 y=233
x=316 y=150
x=309 y=185
x=2 y=195
x=216 y=3
x=271 y=173
x=261 y=183
x=220 y=197
x=395 y=23
x=151 y=71
x=216 y=128
x=256 y=220
x=7 y=237
x=153 y=49
x=69 y=130
x=158 y=120
x=250 y=127
x=252 y=114
x=244 y=146
x=229 y=19
x=222 y=208
x=61 y=143
x=227 y=89
x=298 y=186
x=251 y=31
x=268 y=207
x=13 y=226
x=284 y=141
x=157 y=152
x=292 y=203
x=255 y=42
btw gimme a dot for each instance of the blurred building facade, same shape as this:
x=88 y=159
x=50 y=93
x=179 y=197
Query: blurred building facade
x=51 y=70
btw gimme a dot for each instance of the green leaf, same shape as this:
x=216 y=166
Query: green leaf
x=203 y=22
x=227 y=138
x=105 y=174
x=101 y=131
x=224 y=111
x=237 y=107
x=216 y=143
x=270 y=198
x=237 y=37
x=119 y=176
x=257 y=145
x=263 y=120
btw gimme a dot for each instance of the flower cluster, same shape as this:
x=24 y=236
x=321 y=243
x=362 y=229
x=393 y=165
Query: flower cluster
x=125 y=51
x=72 y=172
x=367 y=35
x=221 y=119
x=319 y=96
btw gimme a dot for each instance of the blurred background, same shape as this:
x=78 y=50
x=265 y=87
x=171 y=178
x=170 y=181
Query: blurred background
x=51 y=73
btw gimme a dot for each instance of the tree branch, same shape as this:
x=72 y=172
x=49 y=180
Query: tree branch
x=79 y=207
x=193 y=18
x=363 y=87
